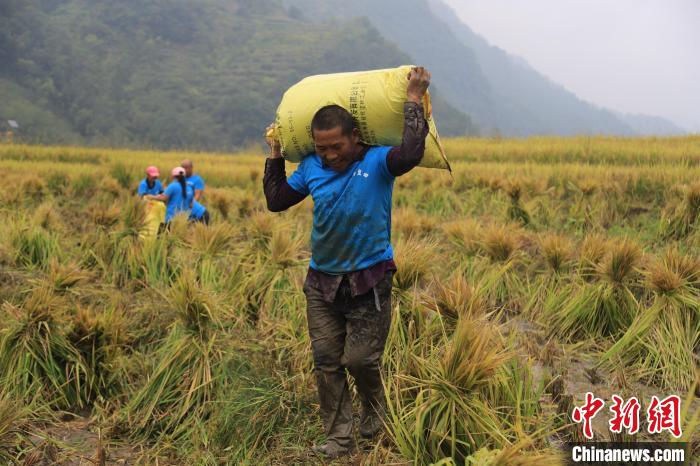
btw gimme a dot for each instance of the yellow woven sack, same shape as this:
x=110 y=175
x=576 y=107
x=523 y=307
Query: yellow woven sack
x=374 y=98
x=155 y=215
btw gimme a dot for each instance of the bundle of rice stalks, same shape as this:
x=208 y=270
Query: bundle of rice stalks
x=260 y=227
x=212 y=241
x=603 y=308
x=57 y=182
x=592 y=252
x=133 y=218
x=220 y=200
x=255 y=414
x=63 y=278
x=35 y=355
x=680 y=220
x=189 y=363
x=34 y=246
x=516 y=212
x=414 y=260
x=501 y=242
x=464 y=234
x=407 y=222
x=84 y=185
x=588 y=186
x=98 y=337
x=46 y=217
x=245 y=203
x=158 y=268
x=452 y=406
x=455 y=298
x=105 y=217
x=513 y=455
x=12 y=415
x=110 y=186
x=663 y=340
x=557 y=252
x=266 y=280
x=503 y=287
x=283 y=332
x=124 y=262
x=286 y=249
x=34 y=188
x=179 y=229
x=122 y=174
x=473 y=355
x=583 y=212
x=125 y=258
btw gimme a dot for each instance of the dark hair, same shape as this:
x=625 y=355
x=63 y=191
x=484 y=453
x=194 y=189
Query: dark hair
x=183 y=185
x=332 y=116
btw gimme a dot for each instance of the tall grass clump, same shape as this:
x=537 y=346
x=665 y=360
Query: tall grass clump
x=255 y=414
x=453 y=403
x=34 y=188
x=463 y=235
x=454 y=298
x=415 y=259
x=123 y=175
x=187 y=366
x=557 y=253
x=516 y=212
x=34 y=247
x=12 y=418
x=99 y=336
x=679 y=220
x=603 y=308
x=662 y=342
x=501 y=243
x=500 y=269
x=133 y=218
x=35 y=355
x=63 y=278
x=212 y=241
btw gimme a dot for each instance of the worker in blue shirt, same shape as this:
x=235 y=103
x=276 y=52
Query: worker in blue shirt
x=348 y=284
x=151 y=184
x=178 y=196
x=199 y=212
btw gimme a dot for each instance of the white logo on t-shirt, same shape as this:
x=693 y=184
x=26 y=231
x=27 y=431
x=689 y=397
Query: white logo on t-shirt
x=359 y=172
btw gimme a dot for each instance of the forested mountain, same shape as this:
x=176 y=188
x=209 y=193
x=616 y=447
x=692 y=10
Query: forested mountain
x=209 y=74
x=170 y=73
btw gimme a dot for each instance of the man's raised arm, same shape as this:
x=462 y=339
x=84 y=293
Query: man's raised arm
x=402 y=159
x=278 y=194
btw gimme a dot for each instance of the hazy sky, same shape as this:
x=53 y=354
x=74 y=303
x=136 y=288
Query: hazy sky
x=635 y=56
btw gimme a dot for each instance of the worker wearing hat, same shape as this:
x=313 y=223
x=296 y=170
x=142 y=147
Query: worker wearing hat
x=151 y=184
x=178 y=196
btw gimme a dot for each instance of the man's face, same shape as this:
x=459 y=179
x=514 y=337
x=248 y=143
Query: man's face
x=335 y=149
x=188 y=169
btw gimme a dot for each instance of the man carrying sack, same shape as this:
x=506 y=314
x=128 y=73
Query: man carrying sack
x=348 y=285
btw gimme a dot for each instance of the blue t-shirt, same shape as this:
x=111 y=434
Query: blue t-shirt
x=196 y=181
x=176 y=202
x=198 y=209
x=155 y=190
x=352 y=211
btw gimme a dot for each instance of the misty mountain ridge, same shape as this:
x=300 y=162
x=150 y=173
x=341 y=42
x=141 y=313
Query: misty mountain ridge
x=501 y=92
x=209 y=75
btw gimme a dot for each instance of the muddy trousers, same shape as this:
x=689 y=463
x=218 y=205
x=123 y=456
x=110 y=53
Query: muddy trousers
x=348 y=334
